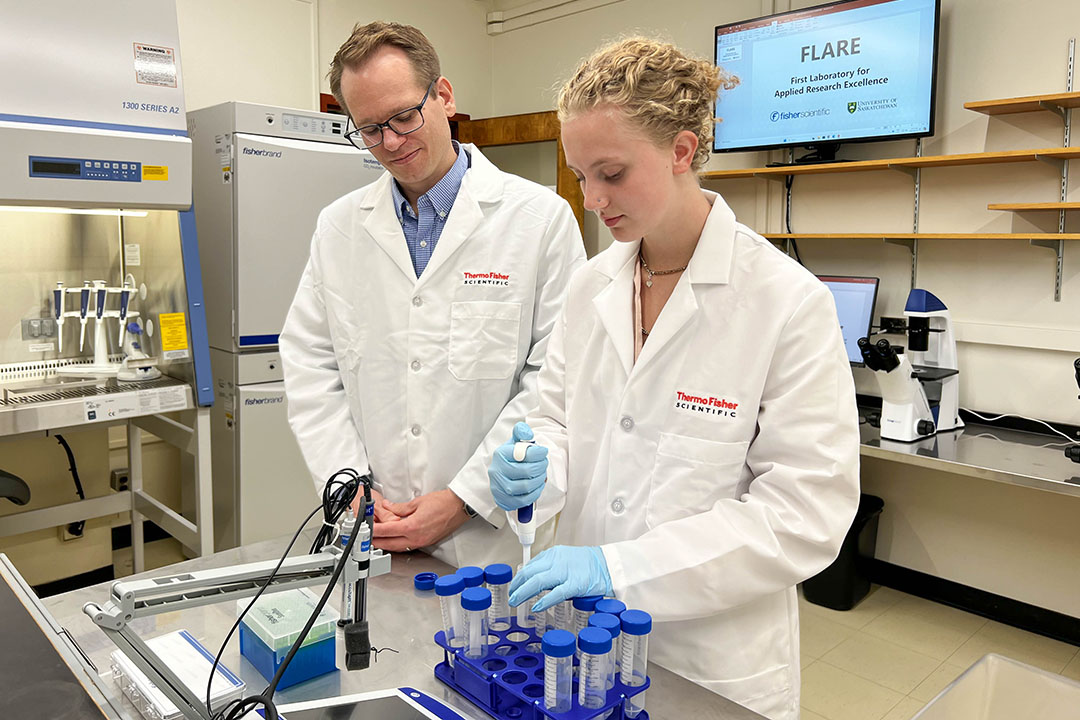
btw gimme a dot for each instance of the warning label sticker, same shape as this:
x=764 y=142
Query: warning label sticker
x=155 y=172
x=173 y=329
x=155 y=65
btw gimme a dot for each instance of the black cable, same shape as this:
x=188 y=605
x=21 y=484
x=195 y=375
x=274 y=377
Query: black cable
x=265 y=698
x=228 y=637
x=788 y=182
x=75 y=528
x=337 y=497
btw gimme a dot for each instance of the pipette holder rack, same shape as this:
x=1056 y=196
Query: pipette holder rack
x=508 y=681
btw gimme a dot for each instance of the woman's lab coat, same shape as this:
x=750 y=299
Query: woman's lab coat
x=717 y=471
x=420 y=379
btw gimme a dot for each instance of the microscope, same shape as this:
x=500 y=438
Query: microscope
x=920 y=389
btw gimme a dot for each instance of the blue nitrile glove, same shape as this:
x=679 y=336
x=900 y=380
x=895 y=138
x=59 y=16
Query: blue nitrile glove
x=517 y=484
x=567 y=571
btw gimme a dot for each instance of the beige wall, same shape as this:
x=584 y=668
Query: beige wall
x=457 y=29
x=260 y=51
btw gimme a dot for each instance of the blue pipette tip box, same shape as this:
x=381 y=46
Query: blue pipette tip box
x=272 y=625
x=508 y=681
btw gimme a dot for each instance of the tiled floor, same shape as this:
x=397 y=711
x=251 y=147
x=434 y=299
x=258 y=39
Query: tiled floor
x=893 y=653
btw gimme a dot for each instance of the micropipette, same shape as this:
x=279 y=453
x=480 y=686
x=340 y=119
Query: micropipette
x=58 y=310
x=84 y=305
x=526 y=527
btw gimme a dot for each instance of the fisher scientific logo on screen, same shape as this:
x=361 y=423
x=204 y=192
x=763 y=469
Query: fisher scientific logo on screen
x=778 y=115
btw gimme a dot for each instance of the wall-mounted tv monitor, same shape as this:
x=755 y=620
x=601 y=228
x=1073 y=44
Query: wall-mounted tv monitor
x=849 y=71
x=854 y=298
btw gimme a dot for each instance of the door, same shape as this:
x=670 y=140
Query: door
x=281 y=185
x=276 y=491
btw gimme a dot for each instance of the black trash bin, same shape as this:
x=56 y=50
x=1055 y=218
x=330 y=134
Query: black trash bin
x=844 y=583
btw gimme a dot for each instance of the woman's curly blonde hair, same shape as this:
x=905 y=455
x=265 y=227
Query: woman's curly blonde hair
x=655 y=85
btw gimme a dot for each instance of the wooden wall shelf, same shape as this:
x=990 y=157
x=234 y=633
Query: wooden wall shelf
x=1032 y=207
x=1029 y=103
x=528 y=128
x=905 y=164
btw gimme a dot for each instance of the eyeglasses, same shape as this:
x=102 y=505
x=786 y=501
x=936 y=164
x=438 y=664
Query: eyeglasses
x=408 y=121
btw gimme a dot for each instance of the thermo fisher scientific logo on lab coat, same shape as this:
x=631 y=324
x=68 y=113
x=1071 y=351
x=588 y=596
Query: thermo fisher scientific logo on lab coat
x=707 y=405
x=486 y=278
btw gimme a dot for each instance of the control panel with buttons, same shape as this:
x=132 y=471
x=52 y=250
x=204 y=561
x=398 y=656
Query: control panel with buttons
x=84 y=169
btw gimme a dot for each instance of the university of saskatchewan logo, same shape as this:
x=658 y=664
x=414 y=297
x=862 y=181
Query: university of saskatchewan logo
x=851 y=106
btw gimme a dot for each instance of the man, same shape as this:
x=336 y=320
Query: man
x=414 y=339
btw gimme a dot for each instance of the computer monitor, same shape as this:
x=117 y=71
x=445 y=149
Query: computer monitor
x=854 y=298
x=849 y=71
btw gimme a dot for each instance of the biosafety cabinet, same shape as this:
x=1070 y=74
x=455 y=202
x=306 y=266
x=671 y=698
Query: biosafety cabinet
x=261 y=176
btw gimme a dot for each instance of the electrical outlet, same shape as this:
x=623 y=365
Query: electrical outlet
x=118 y=479
x=38 y=328
x=65 y=534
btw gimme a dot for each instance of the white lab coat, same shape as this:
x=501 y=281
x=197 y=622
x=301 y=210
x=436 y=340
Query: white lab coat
x=419 y=380
x=717 y=471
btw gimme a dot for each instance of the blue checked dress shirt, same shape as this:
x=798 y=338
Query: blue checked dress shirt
x=422 y=230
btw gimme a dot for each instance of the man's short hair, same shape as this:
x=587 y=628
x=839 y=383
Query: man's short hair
x=367 y=39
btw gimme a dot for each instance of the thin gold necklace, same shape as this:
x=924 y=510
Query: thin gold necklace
x=646 y=268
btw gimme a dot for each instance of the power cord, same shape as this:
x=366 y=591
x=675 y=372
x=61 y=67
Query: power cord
x=337 y=497
x=1024 y=417
x=75 y=528
x=788 y=182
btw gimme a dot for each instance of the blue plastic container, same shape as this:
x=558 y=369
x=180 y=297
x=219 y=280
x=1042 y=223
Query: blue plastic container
x=310 y=660
x=271 y=626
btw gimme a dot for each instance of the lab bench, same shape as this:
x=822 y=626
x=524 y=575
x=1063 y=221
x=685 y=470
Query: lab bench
x=1014 y=457
x=403 y=624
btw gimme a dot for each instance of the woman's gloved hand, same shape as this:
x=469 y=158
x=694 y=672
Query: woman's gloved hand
x=515 y=484
x=567 y=571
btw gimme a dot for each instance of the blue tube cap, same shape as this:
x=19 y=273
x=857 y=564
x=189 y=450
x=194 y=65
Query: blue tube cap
x=558 y=643
x=607 y=622
x=424 y=580
x=593 y=640
x=636 y=622
x=449 y=585
x=472 y=576
x=498 y=574
x=587 y=603
x=476 y=598
x=611 y=606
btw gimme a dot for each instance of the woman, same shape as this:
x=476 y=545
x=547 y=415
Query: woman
x=697 y=410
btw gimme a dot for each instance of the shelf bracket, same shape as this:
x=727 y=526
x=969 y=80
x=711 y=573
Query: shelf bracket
x=912 y=244
x=1054 y=162
x=909 y=171
x=1054 y=108
x=1057 y=246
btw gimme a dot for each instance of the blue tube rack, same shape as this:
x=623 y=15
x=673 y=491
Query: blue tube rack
x=508 y=681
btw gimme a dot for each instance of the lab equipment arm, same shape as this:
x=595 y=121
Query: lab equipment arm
x=790 y=522
x=319 y=412
x=562 y=253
